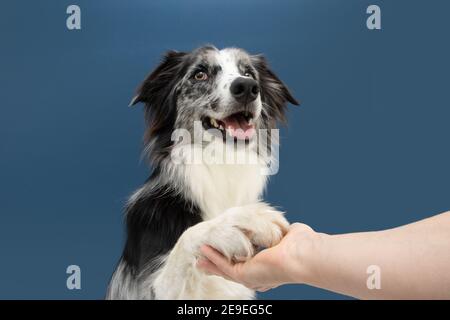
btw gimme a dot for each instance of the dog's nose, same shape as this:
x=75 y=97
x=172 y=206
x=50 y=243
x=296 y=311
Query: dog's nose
x=244 y=89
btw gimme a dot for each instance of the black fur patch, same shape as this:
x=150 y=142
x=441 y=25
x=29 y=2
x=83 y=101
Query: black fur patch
x=154 y=224
x=274 y=93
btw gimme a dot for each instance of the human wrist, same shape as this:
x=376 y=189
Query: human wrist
x=307 y=256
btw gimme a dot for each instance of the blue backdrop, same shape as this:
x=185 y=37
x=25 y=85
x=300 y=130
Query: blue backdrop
x=368 y=149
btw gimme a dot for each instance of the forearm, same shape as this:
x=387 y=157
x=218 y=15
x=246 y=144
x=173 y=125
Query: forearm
x=413 y=260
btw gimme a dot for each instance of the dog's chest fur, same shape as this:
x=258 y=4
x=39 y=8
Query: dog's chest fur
x=217 y=187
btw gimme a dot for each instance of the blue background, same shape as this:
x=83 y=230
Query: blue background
x=368 y=149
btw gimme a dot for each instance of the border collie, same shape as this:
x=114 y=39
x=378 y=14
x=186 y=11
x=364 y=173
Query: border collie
x=218 y=100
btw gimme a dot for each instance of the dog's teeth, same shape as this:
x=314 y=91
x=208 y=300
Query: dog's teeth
x=248 y=117
x=214 y=123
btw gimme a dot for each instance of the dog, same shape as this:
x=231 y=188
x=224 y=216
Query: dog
x=225 y=97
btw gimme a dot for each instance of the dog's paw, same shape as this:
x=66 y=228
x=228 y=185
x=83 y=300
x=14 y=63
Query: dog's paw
x=239 y=231
x=262 y=224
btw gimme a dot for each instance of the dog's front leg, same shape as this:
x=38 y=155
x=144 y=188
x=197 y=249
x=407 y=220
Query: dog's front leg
x=235 y=233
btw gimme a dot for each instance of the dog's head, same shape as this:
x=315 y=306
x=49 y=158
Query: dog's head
x=228 y=91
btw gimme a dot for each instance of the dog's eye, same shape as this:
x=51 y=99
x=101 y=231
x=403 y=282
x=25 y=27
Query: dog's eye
x=248 y=74
x=200 y=76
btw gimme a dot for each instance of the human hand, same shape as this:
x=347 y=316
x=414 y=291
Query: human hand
x=270 y=268
x=339 y=263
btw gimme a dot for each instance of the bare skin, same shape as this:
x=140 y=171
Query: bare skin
x=413 y=260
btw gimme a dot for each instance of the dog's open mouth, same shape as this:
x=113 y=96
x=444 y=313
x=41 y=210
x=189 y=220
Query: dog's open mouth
x=239 y=125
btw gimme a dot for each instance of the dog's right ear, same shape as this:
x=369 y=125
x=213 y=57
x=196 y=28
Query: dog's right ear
x=152 y=90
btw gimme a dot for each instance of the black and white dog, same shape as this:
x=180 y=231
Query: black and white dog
x=224 y=97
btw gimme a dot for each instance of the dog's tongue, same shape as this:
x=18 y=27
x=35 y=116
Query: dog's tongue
x=238 y=127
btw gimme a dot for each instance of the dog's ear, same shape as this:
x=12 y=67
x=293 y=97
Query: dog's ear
x=156 y=86
x=274 y=93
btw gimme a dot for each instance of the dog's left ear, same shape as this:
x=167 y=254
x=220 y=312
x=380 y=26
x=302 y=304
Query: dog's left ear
x=152 y=89
x=274 y=93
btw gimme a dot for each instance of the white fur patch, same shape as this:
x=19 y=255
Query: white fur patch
x=217 y=187
x=228 y=60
